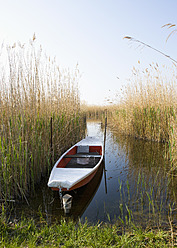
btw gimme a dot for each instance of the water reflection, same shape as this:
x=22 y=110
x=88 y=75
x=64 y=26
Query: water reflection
x=138 y=186
x=81 y=198
x=46 y=203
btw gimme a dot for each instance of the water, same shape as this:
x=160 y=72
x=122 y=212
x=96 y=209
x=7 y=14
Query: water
x=134 y=186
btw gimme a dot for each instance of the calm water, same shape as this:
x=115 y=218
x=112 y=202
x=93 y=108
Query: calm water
x=133 y=186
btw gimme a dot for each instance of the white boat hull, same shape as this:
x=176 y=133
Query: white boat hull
x=65 y=178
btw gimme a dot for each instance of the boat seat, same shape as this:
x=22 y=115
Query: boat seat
x=83 y=152
x=82 y=149
x=82 y=156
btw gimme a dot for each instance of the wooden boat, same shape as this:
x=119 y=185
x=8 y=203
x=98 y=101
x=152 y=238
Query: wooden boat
x=77 y=166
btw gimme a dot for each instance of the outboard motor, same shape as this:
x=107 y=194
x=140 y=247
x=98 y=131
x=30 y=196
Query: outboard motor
x=67 y=203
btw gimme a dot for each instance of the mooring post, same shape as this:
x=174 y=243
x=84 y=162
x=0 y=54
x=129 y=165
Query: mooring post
x=105 y=132
x=51 y=144
x=104 y=147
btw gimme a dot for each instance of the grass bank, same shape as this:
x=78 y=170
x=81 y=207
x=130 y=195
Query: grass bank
x=68 y=234
x=39 y=116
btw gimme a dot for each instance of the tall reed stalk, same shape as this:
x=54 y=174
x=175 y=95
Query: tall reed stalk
x=32 y=90
x=149 y=106
x=93 y=112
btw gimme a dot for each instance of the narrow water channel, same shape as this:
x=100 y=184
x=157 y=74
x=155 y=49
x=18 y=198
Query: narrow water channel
x=134 y=186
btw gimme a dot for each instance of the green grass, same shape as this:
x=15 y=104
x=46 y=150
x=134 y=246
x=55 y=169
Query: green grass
x=69 y=234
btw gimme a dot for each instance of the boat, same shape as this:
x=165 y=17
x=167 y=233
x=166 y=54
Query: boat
x=77 y=166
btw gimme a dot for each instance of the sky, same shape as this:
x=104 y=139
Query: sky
x=90 y=33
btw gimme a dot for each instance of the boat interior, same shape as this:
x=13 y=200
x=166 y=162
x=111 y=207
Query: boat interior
x=81 y=157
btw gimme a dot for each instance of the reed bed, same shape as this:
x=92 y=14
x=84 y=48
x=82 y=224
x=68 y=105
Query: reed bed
x=93 y=112
x=39 y=116
x=149 y=107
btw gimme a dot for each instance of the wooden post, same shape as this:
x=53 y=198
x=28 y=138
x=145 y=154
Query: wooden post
x=105 y=131
x=104 y=147
x=51 y=144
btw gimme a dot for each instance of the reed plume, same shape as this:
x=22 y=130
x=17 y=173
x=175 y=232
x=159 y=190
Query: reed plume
x=149 y=105
x=33 y=90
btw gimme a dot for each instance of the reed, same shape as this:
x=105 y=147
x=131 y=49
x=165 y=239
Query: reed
x=146 y=190
x=149 y=205
x=33 y=90
x=148 y=107
x=94 y=112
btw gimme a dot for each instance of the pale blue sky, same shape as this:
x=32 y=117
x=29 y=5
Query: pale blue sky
x=91 y=33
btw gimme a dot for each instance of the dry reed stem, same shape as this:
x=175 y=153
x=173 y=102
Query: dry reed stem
x=32 y=90
x=149 y=106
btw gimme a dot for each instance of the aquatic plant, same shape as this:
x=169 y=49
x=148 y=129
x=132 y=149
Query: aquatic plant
x=93 y=112
x=33 y=92
x=166 y=107
x=149 y=106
